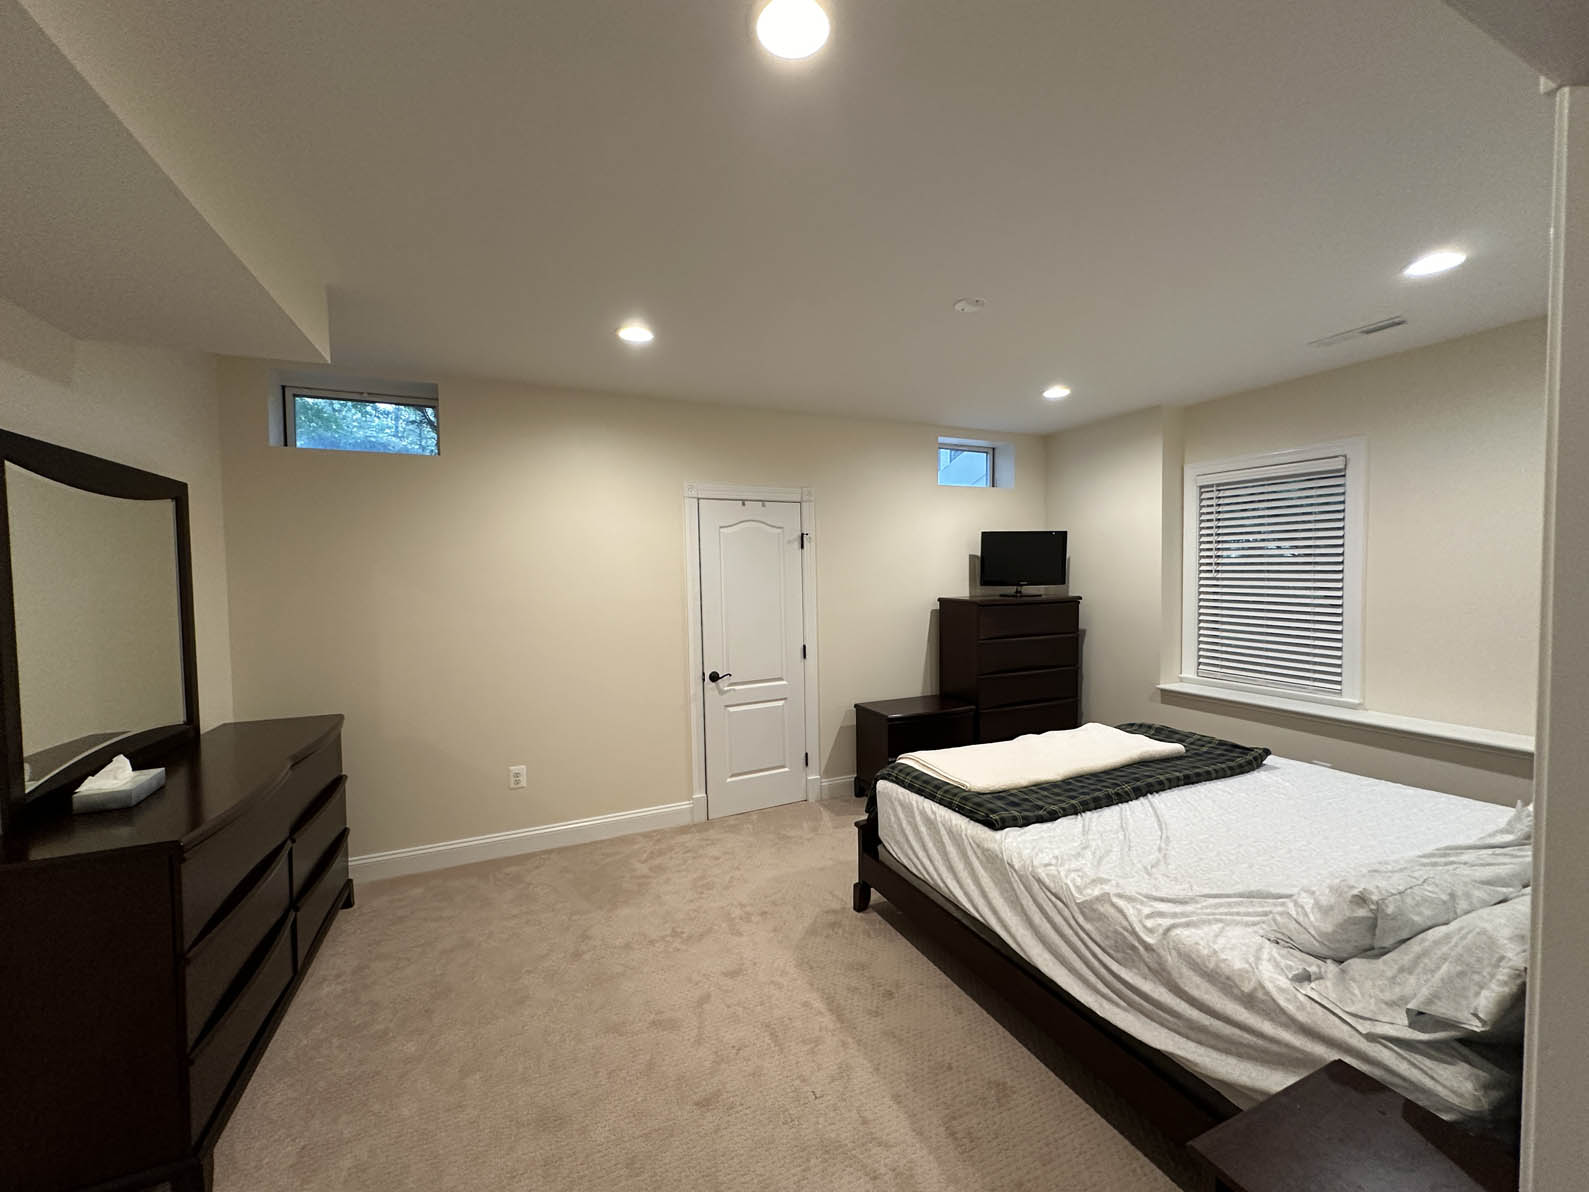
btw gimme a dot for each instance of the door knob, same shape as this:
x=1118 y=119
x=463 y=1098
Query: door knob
x=714 y=676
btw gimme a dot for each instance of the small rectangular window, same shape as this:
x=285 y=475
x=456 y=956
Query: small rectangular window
x=965 y=466
x=328 y=420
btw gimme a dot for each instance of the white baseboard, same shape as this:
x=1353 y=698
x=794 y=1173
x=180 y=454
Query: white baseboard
x=698 y=808
x=840 y=787
x=444 y=855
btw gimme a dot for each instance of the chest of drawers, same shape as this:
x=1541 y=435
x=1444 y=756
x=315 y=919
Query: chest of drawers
x=149 y=953
x=1017 y=660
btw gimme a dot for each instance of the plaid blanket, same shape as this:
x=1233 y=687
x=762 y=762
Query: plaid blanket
x=1205 y=759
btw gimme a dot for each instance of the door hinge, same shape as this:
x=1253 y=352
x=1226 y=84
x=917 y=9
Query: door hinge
x=808 y=759
x=802 y=540
x=802 y=649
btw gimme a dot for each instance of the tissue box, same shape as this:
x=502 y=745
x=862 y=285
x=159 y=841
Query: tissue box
x=138 y=787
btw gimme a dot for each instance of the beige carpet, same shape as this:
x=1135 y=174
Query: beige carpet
x=696 y=1008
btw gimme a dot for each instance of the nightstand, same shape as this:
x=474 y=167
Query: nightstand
x=884 y=729
x=1339 y=1130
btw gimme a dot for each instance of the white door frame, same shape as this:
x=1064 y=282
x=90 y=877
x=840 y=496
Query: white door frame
x=693 y=495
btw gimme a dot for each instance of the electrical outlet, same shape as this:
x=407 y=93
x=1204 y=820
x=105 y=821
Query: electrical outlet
x=518 y=778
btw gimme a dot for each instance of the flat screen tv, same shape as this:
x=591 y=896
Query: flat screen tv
x=1013 y=558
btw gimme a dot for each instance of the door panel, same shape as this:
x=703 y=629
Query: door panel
x=757 y=736
x=752 y=632
x=751 y=554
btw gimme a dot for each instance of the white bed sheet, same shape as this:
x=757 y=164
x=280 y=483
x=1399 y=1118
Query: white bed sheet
x=1149 y=913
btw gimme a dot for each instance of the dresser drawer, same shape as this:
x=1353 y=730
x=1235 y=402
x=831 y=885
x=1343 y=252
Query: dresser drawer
x=225 y=1048
x=214 y=867
x=1020 y=618
x=215 y=961
x=934 y=732
x=320 y=899
x=1026 y=687
x=1027 y=653
x=1001 y=724
x=319 y=830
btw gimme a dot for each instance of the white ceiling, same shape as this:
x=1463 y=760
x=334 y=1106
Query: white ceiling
x=1160 y=201
x=97 y=239
x=1552 y=36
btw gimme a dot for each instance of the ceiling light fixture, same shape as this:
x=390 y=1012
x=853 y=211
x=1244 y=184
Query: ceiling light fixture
x=1055 y=392
x=793 y=28
x=970 y=306
x=1440 y=261
x=636 y=333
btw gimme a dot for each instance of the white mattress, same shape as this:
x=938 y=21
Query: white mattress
x=1149 y=914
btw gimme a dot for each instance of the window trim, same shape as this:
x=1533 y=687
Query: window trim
x=289 y=421
x=1409 y=727
x=1355 y=452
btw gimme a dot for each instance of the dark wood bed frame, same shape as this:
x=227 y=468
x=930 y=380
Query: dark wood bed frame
x=1172 y=1098
x=1391 y=1142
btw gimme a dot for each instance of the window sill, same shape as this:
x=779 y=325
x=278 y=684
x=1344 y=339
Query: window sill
x=1512 y=744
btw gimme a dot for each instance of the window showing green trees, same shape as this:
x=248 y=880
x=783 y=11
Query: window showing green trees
x=364 y=424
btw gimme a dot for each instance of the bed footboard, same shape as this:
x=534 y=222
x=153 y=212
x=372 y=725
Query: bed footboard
x=1173 y=1099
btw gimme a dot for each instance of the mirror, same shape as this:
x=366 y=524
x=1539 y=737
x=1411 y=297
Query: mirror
x=97 y=600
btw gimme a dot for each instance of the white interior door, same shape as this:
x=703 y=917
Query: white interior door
x=752 y=634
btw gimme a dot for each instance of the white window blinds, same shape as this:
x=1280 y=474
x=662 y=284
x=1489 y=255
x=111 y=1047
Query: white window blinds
x=1272 y=576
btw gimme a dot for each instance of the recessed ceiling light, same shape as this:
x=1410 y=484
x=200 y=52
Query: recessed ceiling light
x=1435 y=262
x=636 y=333
x=793 y=28
x=1055 y=392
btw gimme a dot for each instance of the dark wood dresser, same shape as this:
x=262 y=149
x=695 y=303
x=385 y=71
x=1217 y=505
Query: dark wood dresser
x=148 y=954
x=1018 y=660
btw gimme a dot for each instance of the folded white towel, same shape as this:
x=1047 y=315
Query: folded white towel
x=1039 y=757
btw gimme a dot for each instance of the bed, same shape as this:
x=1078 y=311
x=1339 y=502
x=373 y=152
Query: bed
x=1132 y=932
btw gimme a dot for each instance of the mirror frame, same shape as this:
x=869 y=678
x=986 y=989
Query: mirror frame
x=90 y=474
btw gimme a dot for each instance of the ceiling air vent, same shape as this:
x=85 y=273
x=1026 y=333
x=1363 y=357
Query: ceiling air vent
x=1340 y=337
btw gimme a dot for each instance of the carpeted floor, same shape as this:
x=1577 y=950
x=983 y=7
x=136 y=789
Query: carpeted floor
x=696 y=1009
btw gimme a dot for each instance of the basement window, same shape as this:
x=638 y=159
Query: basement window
x=964 y=466
x=343 y=420
x=975 y=463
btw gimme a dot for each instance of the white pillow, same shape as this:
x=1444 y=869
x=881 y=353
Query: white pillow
x=1456 y=981
x=1375 y=908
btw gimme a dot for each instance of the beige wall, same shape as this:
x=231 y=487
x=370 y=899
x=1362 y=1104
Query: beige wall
x=152 y=408
x=521 y=597
x=1456 y=445
x=1456 y=453
x=1104 y=488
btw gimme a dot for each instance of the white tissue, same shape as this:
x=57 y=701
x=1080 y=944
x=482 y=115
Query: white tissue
x=113 y=777
x=117 y=786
